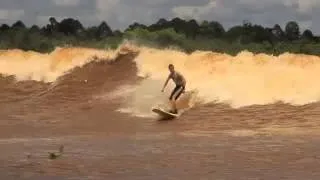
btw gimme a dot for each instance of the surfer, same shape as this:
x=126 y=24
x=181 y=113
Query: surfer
x=180 y=82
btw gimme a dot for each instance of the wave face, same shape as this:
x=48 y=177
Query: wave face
x=242 y=80
x=47 y=67
x=77 y=74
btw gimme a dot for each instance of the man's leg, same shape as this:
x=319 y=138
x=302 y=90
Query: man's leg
x=172 y=99
x=173 y=92
x=179 y=91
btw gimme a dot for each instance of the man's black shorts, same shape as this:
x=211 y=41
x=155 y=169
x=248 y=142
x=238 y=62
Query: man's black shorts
x=178 y=89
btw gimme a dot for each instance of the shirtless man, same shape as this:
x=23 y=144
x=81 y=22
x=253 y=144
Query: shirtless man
x=180 y=82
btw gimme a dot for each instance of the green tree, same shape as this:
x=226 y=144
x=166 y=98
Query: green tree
x=18 y=25
x=70 y=26
x=292 y=30
x=211 y=29
x=308 y=35
x=103 y=31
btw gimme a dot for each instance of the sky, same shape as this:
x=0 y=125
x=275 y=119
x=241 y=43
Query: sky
x=119 y=14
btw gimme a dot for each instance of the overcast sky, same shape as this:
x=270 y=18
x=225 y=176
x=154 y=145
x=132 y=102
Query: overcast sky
x=120 y=13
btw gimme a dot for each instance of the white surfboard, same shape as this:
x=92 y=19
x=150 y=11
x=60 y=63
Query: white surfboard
x=164 y=114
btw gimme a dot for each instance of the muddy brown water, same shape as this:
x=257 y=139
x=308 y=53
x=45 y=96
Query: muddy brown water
x=212 y=141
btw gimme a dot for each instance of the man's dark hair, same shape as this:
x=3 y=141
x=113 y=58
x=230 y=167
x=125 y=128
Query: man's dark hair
x=170 y=65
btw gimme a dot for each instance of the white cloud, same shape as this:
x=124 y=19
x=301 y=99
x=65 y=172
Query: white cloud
x=66 y=2
x=119 y=13
x=11 y=14
x=106 y=8
x=305 y=24
x=303 y=6
x=194 y=12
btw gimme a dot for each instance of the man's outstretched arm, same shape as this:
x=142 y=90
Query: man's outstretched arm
x=165 y=84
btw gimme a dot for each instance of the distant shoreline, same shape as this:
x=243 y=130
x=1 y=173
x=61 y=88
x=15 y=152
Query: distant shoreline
x=185 y=35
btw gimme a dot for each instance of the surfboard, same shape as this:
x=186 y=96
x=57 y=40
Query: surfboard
x=164 y=114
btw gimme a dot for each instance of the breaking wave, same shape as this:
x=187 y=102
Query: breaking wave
x=242 y=80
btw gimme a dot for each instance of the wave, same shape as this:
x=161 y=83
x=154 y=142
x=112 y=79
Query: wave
x=242 y=80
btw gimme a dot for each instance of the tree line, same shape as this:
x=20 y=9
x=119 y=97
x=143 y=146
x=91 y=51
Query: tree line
x=189 y=35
